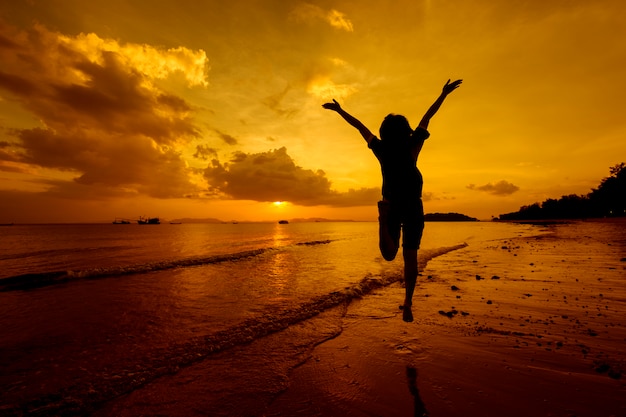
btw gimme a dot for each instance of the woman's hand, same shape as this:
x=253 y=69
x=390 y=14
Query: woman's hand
x=332 y=106
x=450 y=87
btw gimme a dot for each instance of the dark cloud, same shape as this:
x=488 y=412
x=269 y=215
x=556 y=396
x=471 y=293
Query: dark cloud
x=7 y=43
x=114 y=99
x=130 y=162
x=175 y=103
x=16 y=84
x=102 y=117
x=274 y=176
x=501 y=188
x=430 y=196
x=228 y=139
x=204 y=152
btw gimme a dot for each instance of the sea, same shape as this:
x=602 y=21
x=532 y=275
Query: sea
x=92 y=311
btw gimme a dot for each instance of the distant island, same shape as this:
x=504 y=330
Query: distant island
x=193 y=220
x=296 y=220
x=430 y=217
x=317 y=220
x=448 y=217
x=608 y=200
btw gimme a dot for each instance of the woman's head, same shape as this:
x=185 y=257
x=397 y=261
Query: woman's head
x=395 y=127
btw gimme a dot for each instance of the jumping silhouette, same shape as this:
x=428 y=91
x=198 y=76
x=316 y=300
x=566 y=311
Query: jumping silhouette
x=401 y=205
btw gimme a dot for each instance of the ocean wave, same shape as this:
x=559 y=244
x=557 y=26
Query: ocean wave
x=47 y=278
x=86 y=395
x=60 y=252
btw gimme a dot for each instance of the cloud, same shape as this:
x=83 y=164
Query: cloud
x=226 y=138
x=501 y=188
x=430 y=196
x=204 y=152
x=102 y=117
x=275 y=102
x=339 y=20
x=153 y=62
x=319 y=79
x=274 y=176
x=311 y=13
x=323 y=87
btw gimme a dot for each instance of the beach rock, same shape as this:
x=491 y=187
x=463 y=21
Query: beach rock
x=603 y=368
x=449 y=314
x=478 y=278
x=495 y=277
x=454 y=288
x=614 y=374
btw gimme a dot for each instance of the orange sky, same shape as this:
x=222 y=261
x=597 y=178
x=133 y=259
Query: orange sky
x=213 y=109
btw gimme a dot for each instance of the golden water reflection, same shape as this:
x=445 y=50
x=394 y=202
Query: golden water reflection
x=283 y=264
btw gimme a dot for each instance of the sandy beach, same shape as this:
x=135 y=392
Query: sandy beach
x=522 y=327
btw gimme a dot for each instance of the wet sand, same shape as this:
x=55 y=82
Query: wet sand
x=522 y=327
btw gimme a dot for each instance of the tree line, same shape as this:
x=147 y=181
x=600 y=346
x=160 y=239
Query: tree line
x=608 y=200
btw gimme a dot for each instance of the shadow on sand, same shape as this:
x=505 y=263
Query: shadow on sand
x=418 y=404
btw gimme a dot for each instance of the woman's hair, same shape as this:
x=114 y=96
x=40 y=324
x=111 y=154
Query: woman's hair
x=395 y=127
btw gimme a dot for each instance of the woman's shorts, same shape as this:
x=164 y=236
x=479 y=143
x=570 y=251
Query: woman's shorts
x=408 y=217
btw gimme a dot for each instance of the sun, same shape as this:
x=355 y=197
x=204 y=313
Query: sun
x=278 y=203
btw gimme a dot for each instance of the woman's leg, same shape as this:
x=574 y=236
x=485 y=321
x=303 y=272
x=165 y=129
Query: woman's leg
x=410 y=280
x=412 y=231
x=388 y=231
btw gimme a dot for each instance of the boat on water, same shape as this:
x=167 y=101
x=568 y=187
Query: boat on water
x=283 y=222
x=148 y=220
x=121 y=221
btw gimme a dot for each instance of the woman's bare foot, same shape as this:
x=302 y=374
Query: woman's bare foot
x=407 y=313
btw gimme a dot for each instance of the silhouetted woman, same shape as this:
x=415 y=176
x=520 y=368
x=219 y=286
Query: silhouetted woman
x=401 y=206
